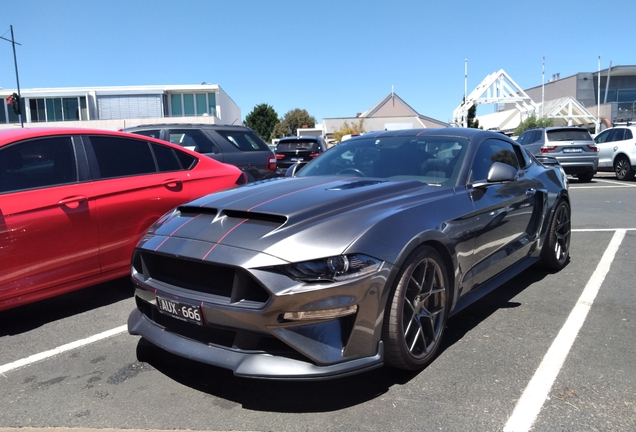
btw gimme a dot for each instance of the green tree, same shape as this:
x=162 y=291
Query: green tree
x=262 y=120
x=280 y=130
x=347 y=129
x=472 y=121
x=292 y=121
x=533 y=122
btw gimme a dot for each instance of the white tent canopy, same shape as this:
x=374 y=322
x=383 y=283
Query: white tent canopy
x=496 y=88
x=565 y=111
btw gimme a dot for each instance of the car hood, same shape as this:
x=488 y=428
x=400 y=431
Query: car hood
x=293 y=219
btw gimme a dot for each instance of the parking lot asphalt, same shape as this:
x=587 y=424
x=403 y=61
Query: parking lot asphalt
x=492 y=353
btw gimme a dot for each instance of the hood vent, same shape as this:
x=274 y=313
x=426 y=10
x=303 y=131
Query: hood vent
x=357 y=184
x=266 y=217
x=196 y=210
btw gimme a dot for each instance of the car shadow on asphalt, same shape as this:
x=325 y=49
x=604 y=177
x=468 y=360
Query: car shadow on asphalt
x=31 y=316
x=326 y=395
x=500 y=298
x=270 y=395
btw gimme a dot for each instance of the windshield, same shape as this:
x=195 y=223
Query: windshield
x=429 y=159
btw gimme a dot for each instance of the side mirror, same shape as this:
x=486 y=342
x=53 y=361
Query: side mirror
x=499 y=173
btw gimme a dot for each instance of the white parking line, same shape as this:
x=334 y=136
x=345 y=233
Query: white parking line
x=602 y=229
x=609 y=182
x=535 y=394
x=55 y=351
x=617 y=182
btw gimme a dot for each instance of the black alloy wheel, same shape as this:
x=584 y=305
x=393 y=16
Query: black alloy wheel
x=417 y=311
x=623 y=168
x=556 y=250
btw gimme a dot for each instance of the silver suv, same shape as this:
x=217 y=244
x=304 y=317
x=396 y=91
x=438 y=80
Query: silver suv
x=617 y=151
x=572 y=146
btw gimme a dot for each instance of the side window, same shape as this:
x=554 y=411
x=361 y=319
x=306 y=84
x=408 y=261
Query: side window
x=168 y=158
x=628 y=134
x=191 y=139
x=535 y=136
x=37 y=164
x=522 y=156
x=154 y=133
x=529 y=137
x=522 y=138
x=244 y=140
x=617 y=135
x=603 y=137
x=119 y=157
x=490 y=151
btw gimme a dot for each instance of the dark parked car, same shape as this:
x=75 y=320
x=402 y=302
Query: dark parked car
x=235 y=145
x=573 y=147
x=356 y=262
x=75 y=202
x=298 y=150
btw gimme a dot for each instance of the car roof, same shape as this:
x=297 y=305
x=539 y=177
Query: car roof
x=467 y=133
x=186 y=126
x=302 y=137
x=548 y=128
x=11 y=135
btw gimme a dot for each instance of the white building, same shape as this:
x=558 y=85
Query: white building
x=120 y=107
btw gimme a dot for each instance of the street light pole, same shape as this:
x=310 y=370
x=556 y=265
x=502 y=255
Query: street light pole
x=17 y=79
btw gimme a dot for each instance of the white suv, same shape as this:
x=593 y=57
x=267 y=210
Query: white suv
x=617 y=151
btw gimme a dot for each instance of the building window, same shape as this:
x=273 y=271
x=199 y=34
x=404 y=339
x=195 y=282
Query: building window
x=188 y=105
x=202 y=106
x=175 y=102
x=192 y=104
x=212 y=104
x=38 y=111
x=58 y=109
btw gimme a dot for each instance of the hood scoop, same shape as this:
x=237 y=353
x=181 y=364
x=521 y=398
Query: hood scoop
x=357 y=184
x=196 y=210
x=255 y=216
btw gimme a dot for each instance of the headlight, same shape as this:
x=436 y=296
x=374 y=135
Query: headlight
x=336 y=268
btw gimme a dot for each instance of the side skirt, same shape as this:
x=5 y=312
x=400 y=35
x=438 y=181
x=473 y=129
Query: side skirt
x=493 y=283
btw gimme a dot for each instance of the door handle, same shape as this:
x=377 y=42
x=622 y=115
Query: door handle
x=72 y=202
x=172 y=183
x=530 y=192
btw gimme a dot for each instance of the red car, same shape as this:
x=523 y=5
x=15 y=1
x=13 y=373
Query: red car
x=75 y=202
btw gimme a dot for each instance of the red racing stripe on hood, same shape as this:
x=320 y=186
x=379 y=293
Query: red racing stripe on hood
x=177 y=229
x=224 y=235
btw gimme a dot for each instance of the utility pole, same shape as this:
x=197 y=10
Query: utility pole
x=17 y=78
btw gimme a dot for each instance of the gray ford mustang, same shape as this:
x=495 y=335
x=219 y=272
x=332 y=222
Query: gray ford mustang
x=354 y=261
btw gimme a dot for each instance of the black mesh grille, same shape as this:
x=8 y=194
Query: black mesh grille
x=199 y=276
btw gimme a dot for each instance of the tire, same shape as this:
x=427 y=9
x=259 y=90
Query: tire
x=623 y=168
x=417 y=311
x=585 y=178
x=556 y=250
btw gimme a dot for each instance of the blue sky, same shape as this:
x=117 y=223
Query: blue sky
x=332 y=58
